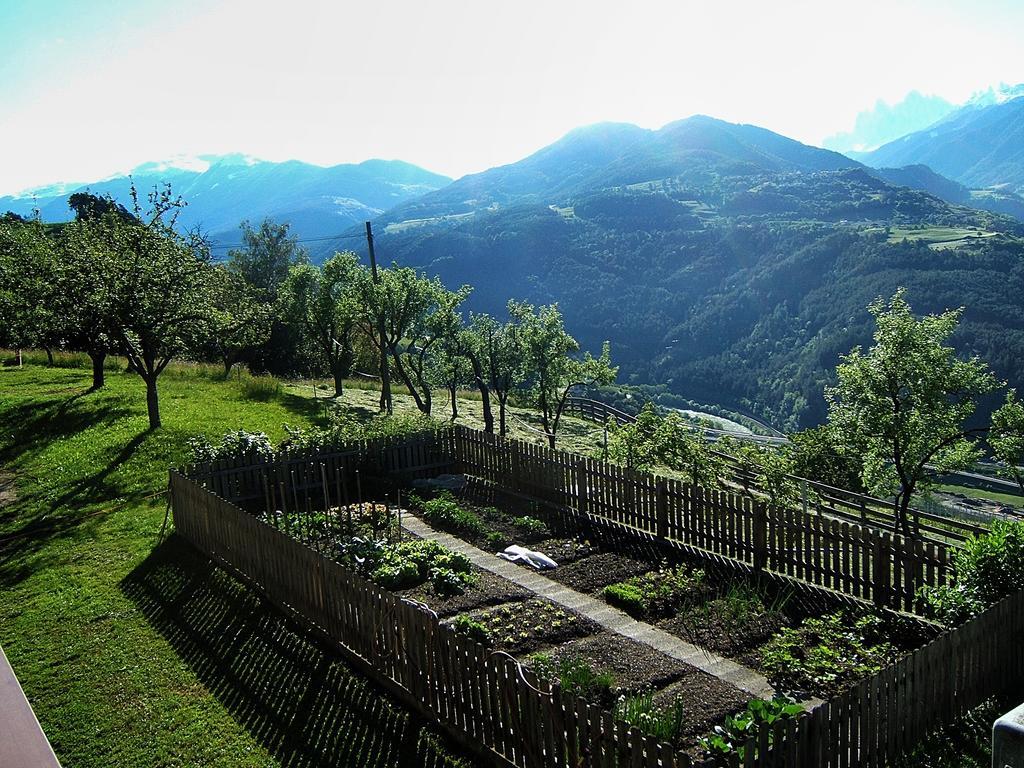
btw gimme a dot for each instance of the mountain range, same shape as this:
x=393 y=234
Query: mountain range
x=726 y=263
x=316 y=201
x=979 y=145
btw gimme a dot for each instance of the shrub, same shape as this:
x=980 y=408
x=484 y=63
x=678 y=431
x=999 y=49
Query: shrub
x=823 y=654
x=474 y=630
x=346 y=428
x=530 y=527
x=261 y=388
x=447 y=582
x=444 y=512
x=664 y=723
x=988 y=568
x=232 y=445
x=729 y=738
x=658 y=593
x=575 y=676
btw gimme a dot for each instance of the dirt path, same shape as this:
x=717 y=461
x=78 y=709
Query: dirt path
x=610 y=618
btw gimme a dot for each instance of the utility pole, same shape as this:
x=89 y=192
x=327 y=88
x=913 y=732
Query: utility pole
x=385 y=373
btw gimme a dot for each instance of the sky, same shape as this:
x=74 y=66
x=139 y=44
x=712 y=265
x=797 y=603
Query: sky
x=89 y=88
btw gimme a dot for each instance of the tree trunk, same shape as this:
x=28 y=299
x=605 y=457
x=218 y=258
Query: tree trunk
x=49 y=356
x=339 y=381
x=152 y=402
x=503 y=429
x=455 y=402
x=485 y=393
x=228 y=363
x=98 y=376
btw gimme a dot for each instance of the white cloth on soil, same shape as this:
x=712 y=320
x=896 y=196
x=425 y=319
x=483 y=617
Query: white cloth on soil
x=517 y=554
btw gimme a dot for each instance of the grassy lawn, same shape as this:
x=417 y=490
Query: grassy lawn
x=1008 y=499
x=135 y=653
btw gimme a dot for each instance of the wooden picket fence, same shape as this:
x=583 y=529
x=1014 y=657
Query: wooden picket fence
x=860 y=561
x=504 y=713
x=823 y=499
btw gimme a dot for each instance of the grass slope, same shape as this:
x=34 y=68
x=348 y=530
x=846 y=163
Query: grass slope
x=139 y=654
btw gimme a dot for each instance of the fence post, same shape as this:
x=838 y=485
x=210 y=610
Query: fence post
x=882 y=569
x=760 y=535
x=661 y=511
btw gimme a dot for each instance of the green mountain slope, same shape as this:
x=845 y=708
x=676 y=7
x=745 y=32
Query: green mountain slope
x=727 y=262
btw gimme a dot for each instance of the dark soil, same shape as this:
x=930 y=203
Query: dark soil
x=707 y=701
x=488 y=589
x=633 y=665
x=524 y=627
x=597 y=571
x=715 y=627
x=564 y=551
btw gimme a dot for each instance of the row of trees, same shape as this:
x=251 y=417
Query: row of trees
x=119 y=281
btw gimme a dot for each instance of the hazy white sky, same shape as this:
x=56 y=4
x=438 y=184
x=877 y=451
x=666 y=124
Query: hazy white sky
x=92 y=87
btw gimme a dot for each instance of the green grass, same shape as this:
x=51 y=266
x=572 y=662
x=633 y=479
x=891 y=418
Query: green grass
x=1009 y=499
x=939 y=237
x=135 y=653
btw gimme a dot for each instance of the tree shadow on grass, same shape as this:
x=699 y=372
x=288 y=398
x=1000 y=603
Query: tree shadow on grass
x=297 y=697
x=21 y=546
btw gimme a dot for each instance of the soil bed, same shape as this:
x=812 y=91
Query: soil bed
x=591 y=574
x=524 y=627
x=633 y=665
x=486 y=590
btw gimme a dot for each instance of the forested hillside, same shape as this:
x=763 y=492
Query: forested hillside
x=729 y=263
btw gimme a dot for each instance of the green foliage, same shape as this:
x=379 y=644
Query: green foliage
x=445 y=512
x=552 y=369
x=530 y=528
x=989 y=567
x=474 y=630
x=261 y=388
x=240 y=318
x=664 y=440
x=773 y=469
x=409 y=563
x=902 y=405
x=233 y=445
x=827 y=653
x=575 y=675
x=730 y=737
x=323 y=302
x=639 y=710
x=1006 y=438
x=658 y=593
x=346 y=428
x=818 y=453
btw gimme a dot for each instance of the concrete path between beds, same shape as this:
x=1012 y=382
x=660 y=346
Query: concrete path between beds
x=607 y=616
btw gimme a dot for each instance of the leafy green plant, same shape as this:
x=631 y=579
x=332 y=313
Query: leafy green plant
x=445 y=512
x=628 y=597
x=658 y=593
x=730 y=738
x=530 y=527
x=575 y=676
x=447 y=582
x=639 y=710
x=988 y=568
x=823 y=654
x=474 y=630
x=497 y=540
x=232 y=445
